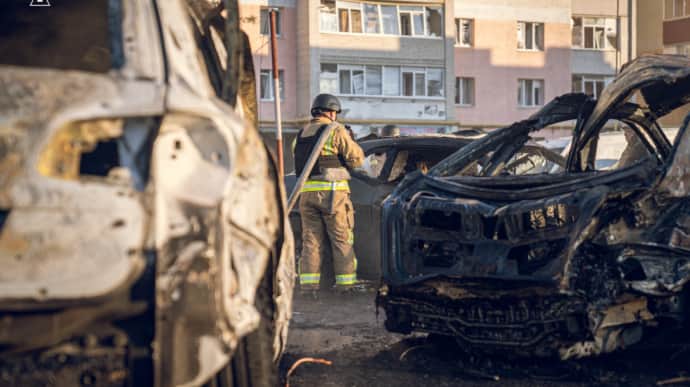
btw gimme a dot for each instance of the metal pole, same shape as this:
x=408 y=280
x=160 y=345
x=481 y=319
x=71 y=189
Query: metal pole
x=276 y=94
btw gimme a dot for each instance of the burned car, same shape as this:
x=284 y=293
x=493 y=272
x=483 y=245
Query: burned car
x=143 y=236
x=576 y=259
x=388 y=160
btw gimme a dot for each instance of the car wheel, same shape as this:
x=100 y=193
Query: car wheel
x=252 y=363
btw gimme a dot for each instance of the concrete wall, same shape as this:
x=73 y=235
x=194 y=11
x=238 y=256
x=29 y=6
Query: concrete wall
x=496 y=64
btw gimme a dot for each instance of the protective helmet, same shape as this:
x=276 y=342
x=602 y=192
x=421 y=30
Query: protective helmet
x=325 y=102
x=390 y=131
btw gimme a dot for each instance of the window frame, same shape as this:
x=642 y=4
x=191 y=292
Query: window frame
x=458 y=32
x=685 y=10
x=279 y=32
x=459 y=94
x=522 y=92
x=400 y=69
x=281 y=82
x=380 y=22
x=535 y=46
x=584 y=26
x=587 y=78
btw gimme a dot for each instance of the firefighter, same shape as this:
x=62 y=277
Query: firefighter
x=325 y=206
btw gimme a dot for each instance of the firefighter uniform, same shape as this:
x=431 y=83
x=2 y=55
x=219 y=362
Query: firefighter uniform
x=325 y=207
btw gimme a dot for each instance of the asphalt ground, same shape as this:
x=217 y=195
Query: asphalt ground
x=346 y=330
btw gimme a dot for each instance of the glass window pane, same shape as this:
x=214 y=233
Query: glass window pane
x=577 y=32
x=344 y=20
x=539 y=36
x=389 y=16
x=408 y=84
x=371 y=18
x=391 y=76
x=434 y=21
x=373 y=80
x=577 y=84
x=266 y=86
x=356 y=20
x=458 y=90
x=264 y=22
x=521 y=35
x=419 y=81
x=466 y=30
x=418 y=24
x=358 y=82
x=345 y=82
x=599 y=37
x=435 y=82
x=538 y=92
x=529 y=39
x=529 y=101
x=281 y=84
x=468 y=91
x=405 y=24
x=600 y=87
x=521 y=92
x=411 y=8
x=589 y=37
x=328 y=82
x=329 y=20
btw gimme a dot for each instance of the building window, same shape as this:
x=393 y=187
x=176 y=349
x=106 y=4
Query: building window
x=266 y=85
x=391 y=81
x=389 y=19
x=678 y=49
x=464 y=91
x=530 y=36
x=434 y=21
x=371 y=19
x=265 y=21
x=411 y=20
x=375 y=80
x=327 y=16
x=592 y=85
x=349 y=17
x=676 y=8
x=594 y=33
x=530 y=92
x=375 y=19
x=328 y=82
x=464 y=32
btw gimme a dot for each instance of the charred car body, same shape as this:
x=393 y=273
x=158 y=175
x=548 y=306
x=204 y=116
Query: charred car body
x=143 y=238
x=540 y=256
x=388 y=160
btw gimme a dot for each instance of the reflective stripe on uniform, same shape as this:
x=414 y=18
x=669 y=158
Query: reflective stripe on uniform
x=350 y=237
x=309 y=278
x=318 y=185
x=328 y=148
x=346 y=279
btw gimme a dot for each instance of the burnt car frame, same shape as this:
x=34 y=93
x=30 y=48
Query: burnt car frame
x=143 y=233
x=571 y=262
x=397 y=157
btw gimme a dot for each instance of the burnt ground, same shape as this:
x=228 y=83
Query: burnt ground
x=345 y=329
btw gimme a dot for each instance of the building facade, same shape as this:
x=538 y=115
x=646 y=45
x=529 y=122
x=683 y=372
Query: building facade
x=440 y=65
x=663 y=26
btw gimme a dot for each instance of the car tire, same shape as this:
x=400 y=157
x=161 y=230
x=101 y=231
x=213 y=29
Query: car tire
x=252 y=362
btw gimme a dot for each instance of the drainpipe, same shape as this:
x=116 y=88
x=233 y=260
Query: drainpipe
x=276 y=94
x=630 y=29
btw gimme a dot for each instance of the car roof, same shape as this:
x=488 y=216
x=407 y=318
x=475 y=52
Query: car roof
x=443 y=140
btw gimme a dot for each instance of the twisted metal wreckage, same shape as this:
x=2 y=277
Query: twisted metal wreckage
x=143 y=235
x=551 y=256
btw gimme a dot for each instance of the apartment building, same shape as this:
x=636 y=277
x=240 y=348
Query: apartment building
x=663 y=26
x=388 y=62
x=601 y=38
x=511 y=57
